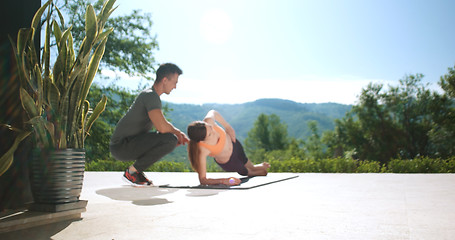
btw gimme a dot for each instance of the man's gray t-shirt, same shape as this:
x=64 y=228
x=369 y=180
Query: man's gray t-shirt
x=136 y=120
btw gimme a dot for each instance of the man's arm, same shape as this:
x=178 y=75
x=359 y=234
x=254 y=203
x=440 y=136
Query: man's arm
x=164 y=126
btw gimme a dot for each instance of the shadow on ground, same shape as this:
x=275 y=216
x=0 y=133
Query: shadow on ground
x=203 y=192
x=143 y=196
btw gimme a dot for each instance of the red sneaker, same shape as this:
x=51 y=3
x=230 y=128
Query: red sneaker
x=136 y=179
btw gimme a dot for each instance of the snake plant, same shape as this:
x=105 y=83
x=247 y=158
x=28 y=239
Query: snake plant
x=54 y=97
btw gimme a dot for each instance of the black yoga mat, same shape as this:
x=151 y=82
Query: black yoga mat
x=247 y=182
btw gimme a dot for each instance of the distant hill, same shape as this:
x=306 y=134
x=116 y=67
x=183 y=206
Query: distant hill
x=242 y=116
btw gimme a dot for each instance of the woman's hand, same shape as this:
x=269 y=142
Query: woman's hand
x=233 y=181
x=231 y=132
x=216 y=116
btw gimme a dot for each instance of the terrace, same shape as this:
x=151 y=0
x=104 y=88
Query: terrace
x=311 y=206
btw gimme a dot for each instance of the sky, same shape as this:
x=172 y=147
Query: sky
x=237 y=51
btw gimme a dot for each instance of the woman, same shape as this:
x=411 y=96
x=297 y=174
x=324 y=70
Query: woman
x=209 y=139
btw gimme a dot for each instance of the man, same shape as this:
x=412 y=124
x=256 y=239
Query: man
x=134 y=139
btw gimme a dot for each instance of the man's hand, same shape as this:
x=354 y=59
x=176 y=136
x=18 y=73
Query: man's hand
x=182 y=139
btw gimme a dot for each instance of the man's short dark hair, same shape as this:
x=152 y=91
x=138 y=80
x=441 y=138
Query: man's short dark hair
x=165 y=70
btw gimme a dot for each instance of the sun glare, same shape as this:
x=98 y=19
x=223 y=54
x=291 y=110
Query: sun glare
x=216 y=26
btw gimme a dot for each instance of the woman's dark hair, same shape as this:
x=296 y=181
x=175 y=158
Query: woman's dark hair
x=165 y=70
x=196 y=132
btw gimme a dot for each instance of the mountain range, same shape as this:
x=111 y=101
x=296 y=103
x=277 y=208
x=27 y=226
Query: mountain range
x=243 y=116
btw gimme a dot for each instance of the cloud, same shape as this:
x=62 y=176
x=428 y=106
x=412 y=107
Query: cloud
x=306 y=89
x=229 y=90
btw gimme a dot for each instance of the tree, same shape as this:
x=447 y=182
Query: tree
x=409 y=107
x=267 y=134
x=442 y=134
x=406 y=121
x=381 y=137
x=332 y=141
x=278 y=133
x=447 y=83
x=367 y=130
x=259 y=136
x=313 y=144
x=131 y=45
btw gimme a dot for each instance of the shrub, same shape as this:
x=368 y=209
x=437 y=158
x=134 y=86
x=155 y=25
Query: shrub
x=114 y=165
x=164 y=166
x=106 y=165
x=294 y=165
x=343 y=165
x=297 y=165
x=418 y=165
x=337 y=165
x=329 y=165
x=370 y=167
x=450 y=163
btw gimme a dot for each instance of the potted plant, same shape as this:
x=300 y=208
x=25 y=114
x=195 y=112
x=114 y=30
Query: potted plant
x=54 y=97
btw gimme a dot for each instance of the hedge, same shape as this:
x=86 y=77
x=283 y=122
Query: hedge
x=296 y=165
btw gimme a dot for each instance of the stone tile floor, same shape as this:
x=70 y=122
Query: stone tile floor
x=312 y=206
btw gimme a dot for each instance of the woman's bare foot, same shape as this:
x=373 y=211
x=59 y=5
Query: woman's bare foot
x=258 y=169
x=265 y=165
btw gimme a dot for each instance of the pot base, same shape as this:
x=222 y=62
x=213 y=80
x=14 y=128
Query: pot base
x=47 y=207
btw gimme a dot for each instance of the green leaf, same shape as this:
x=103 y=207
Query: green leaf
x=93 y=67
x=79 y=68
x=106 y=12
x=64 y=124
x=46 y=50
x=23 y=37
x=107 y=8
x=71 y=55
x=28 y=104
x=39 y=85
x=7 y=159
x=60 y=15
x=58 y=69
x=37 y=18
x=85 y=110
x=66 y=34
x=51 y=130
x=66 y=53
x=104 y=34
x=53 y=96
x=57 y=33
x=91 y=28
x=96 y=113
x=74 y=108
x=41 y=133
x=32 y=63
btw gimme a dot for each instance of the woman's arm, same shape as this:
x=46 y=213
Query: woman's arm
x=213 y=116
x=216 y=181
x=202 y=172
